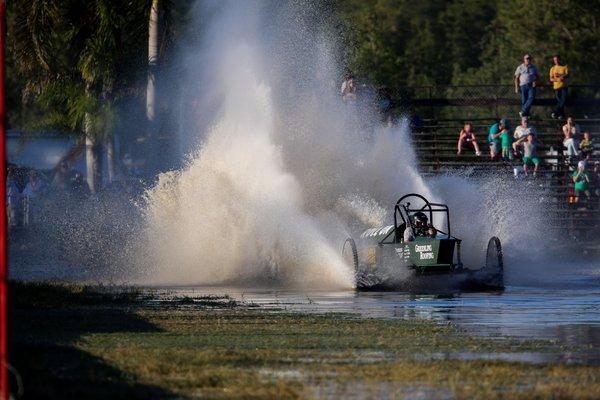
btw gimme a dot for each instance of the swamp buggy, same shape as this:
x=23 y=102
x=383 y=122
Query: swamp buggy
x=424 y=258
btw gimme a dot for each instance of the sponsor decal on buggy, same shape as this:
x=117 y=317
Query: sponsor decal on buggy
x=425 y=251
x=403 y=253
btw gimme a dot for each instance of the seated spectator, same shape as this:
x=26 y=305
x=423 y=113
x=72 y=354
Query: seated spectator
x=348 y=89
x=494 y=139
x=596 y=178
x=581 y=180
x=530 y=154
x=586 y=146
x=572 y=126
x=521 y=133
x=467 y=138
x=571 y=132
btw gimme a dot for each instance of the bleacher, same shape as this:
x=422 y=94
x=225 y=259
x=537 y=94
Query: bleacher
x=435 y=142
x=444 y=109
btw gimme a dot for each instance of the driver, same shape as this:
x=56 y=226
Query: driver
x=422 y=225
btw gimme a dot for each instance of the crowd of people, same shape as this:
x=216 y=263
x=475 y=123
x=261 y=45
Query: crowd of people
x=524 y=142
x=27 y=189
x=30 y=193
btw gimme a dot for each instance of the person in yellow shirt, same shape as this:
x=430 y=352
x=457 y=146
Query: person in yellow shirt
x=559 y=74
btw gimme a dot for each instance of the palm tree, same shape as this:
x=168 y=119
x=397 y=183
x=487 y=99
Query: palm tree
x=78 y=60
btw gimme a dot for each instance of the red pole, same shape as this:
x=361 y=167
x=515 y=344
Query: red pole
x=3 y=238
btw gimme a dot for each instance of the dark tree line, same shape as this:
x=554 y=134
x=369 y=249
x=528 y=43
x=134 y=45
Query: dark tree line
x=427 y=42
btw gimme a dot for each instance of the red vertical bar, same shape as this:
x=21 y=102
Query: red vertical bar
x=3 y=238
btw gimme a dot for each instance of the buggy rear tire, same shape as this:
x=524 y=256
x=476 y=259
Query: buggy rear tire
x=493 y=258
x=350 y=254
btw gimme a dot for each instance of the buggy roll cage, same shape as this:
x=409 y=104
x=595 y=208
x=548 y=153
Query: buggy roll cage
x=404 y=210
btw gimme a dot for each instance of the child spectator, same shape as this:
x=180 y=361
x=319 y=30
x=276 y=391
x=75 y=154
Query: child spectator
x=348 y=89
x=494 y=137
x=526 y=76
x=467 y=138
x=506 y=143
x=581 y=180
x=530 y=154
x=586 y=146
x=521 y=133
x=558 y=76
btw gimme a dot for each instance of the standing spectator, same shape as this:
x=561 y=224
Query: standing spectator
x=13 y=199
x=526 y=76
x=530 y=154
x=506 y=142
x=79 y=187
x=33 y=190
x=521 y=133
x=571 y=132
x=467 y=138
x=559 y=74
x=581 y=180
x=348 y=89
x=494 y=139
x=586 y=146
x=62 y=176
x=384 y=104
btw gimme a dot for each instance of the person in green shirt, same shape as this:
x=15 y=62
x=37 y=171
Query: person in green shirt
x=494 y=138
x=506 y=142
x=581 y=180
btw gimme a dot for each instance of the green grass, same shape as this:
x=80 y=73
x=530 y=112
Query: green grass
x=84 y=342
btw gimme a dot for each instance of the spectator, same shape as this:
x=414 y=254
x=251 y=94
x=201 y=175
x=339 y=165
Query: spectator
x=521 y=133
x=530 y=154
x=348 y=89
x=506 y=142
x=526 y=76
x=572 y=126
x=559 y=74
x=384 y=103
x=494 y=138
x=467 y=138
x=62 y=176
x=79 y=187
x=586 y=146
x=596 y=178
x=581 y=180
x=571 y=132
x=34 y=188
x=13 y=199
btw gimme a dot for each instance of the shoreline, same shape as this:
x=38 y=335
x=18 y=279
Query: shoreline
x=80 y=341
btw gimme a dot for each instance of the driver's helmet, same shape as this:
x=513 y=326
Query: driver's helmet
x=420 y=216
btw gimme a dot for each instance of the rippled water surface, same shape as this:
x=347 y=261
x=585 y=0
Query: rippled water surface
x=568 y=315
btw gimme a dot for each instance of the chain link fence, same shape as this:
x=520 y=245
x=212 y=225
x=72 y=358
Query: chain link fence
x=486 y=101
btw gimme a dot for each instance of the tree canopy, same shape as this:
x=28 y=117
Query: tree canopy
x=403 y=42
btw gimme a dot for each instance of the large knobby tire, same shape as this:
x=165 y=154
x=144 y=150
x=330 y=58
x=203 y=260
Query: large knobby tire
x=493 y=257
x=350 y=254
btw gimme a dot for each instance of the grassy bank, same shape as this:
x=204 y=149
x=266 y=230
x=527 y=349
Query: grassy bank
x=82 y=342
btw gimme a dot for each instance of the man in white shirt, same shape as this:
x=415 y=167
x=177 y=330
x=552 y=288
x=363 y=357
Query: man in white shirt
x=521 y=133
x=526 y=76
